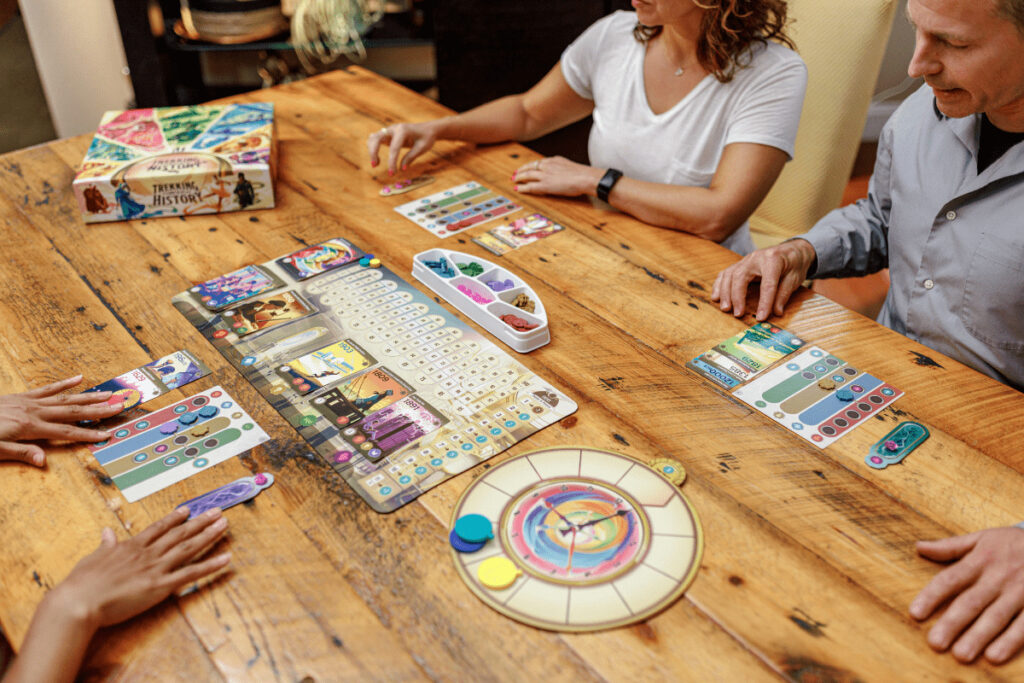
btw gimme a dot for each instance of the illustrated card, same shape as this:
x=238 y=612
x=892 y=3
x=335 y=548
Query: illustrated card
x=492 y=244
x=244 y=283
x=266 y=312
x=135 y=387
x=153 y=452
x=178 y=369
x=319 y=258
x=523 y=231
x=759 y=346
x=325 y=366
x=457 y=209
x=708 y=369
x=368 y=392
x=395 y=426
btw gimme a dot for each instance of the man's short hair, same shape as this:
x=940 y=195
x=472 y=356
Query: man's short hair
x=1012 y=10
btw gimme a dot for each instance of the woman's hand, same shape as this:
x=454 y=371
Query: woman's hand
x=418 y=137
x=44 y=413
x=558 y=176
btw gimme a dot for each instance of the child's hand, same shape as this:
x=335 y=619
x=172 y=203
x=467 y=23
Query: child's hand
x=122 y=579
x=45 y=413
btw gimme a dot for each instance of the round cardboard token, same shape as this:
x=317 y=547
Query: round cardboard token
x=463 y=546
x=473 y=528
x=498 y=573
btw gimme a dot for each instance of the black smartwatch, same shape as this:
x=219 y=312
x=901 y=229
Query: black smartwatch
x=607 y=182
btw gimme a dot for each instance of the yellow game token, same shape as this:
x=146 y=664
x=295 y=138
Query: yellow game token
x=498 y=573
x=827 y=384
x=375 y=263
x=670 y=469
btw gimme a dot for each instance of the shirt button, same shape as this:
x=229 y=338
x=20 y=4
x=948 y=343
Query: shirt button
x=928 y=284
x=951 y=215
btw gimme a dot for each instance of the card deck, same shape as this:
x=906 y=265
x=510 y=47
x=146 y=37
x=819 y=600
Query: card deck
x=153 y=379
x=492 y=244
x=523 y=231
x=225 y=290
x=744 y=355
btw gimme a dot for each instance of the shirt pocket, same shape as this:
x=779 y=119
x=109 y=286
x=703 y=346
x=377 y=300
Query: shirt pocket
x=992 y=308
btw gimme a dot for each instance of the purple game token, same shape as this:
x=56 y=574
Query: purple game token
x=464 y=546
x=169 y=428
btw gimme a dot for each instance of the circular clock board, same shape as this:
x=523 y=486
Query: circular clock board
x=597 y=539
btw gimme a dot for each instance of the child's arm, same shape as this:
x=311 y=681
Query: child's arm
x=114 y=583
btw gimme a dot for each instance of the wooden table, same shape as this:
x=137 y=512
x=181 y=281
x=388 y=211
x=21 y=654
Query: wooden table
x=809 y=563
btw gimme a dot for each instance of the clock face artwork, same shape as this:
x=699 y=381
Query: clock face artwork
x=583 y=539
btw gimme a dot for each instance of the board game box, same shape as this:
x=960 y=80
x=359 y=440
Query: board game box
x=178 y=161
x=394 y=392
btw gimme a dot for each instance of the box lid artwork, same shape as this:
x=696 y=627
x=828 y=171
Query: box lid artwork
x=178 y=161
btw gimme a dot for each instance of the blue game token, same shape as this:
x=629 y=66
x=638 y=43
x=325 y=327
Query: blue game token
x=464 y=546
x=473 y=528
x=248 y=360
x=208 y=411
x=187 y=418
x=844 y=395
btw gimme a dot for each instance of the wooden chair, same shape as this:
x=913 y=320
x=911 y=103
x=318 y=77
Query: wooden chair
x=843 y=44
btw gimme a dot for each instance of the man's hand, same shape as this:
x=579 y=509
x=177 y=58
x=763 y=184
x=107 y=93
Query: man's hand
x=558 y=176
x=44 y=413
x=781 y=270
x=986 y=585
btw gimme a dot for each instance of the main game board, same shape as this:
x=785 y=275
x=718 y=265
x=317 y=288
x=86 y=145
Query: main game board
x=591 y=539
x=388 y=387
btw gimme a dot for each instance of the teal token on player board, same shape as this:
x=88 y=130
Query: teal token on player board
x=473 y=528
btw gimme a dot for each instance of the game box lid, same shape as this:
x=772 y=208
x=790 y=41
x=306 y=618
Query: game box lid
x=178 y=161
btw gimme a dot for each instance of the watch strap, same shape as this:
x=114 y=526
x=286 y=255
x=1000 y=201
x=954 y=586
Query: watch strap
x=607 y=182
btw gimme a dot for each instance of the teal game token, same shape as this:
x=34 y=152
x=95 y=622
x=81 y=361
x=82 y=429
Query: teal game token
x=896 y=445
x=473 y=528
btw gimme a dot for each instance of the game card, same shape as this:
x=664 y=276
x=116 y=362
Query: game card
x=457 y=209
x=319 y=258
x=325 y=366
x=492 y=244
x=153 y=379
x=523 y=231
x=244 y=283
x=759 y=346
x=347 y=403
x=265 y=312
x=709 y=370
x=392 y=428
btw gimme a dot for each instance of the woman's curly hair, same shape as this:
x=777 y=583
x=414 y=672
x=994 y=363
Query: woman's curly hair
x=729 y=29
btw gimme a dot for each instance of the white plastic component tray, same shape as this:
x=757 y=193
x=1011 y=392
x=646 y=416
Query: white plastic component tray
x=487 y=315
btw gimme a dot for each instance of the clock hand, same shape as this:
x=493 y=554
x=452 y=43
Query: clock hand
x=560 y=515
x=572 y=549
x=618 y=513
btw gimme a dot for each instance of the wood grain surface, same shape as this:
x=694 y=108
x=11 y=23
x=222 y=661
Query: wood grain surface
x=809 y=563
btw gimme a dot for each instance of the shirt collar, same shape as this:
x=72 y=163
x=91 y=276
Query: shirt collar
x=967 y=129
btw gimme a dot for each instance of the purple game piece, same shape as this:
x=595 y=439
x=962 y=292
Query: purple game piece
x=169 y=427
x=230 y=494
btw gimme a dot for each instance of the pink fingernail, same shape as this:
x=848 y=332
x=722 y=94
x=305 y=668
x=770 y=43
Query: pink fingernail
x=515 y=188
x=374 y=163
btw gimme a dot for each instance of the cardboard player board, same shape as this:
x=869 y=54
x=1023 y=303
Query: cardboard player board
x=393 y=391
x=818 y=396
x=456 y=209
x=594 y=539
x=169 y=445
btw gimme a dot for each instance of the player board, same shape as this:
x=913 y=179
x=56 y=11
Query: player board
x=598 y=539
x=456 y=209
x=818 y=396
x=393 y=391
x=166 y=446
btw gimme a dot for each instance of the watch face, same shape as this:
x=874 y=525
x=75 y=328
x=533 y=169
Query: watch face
x=573 y=532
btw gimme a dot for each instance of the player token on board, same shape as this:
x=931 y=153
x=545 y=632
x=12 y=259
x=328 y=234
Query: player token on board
x=225 y=496
x=464 y=546
x=498 y=573
x=670 y=469
x=896 y=445
x=403 y=186
x=473 y=528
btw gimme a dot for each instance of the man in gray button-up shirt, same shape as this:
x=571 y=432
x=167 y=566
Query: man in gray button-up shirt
x=945 y=214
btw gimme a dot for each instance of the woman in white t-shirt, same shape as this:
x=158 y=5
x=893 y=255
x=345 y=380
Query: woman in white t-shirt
x=695 y=105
